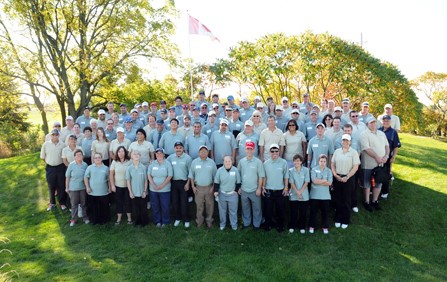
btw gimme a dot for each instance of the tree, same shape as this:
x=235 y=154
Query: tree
x=434 y=87
x=78 y=44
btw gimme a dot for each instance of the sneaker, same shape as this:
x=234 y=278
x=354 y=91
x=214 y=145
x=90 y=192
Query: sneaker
x=377 y=206
x=222 y=228
x=148 y=206
x=355 y=209
x=311 y=230
x=190 y=199
x=210 y=225
x=337 y=224
x=367 y=207
x=325 y=231
x=158 y=225
x=384 y=196
x=234 y=228
x=187 y=224
x=303 y=231
x=291 y=230
x=87 y=221
x=164 y=225
x=50 y=207
x=344 y=226
x=176 y=223
x=72 y=223
x=63 y=207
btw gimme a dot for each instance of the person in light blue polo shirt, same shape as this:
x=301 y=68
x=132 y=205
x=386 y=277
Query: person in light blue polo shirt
x=171 y=137
x=85 y=119
x=96 y=181
x=320 y=196
x=159 y=174
x=222 y=144
x=276 y=189
x=248 y=135
x=181 y=163
x=252 y=174
x=319 y=145
x=196 y=140
x=226 y=185
x=137 y=185
x=299 y=194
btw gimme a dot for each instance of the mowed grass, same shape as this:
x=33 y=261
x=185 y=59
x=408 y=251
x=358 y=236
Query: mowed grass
x=406 y=241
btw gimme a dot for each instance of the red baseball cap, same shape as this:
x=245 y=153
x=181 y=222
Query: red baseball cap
x=250 y=145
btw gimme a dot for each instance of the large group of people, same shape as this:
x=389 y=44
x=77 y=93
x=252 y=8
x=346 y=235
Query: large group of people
x=257 y=160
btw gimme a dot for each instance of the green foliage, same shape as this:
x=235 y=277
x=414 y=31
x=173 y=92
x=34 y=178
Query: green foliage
x=323 y=65
x=78 y=44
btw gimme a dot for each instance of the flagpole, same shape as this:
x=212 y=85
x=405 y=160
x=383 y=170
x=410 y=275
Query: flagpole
x=190 y=59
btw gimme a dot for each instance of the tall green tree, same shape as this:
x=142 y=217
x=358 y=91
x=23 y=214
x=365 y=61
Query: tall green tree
x=78 y=44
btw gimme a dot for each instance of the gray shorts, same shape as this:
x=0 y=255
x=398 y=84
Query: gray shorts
x=365 y=177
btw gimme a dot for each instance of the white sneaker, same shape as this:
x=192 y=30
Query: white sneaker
x=325 y=231
x=86 y=221
x=176 y=223
x=222 y=228
x=311 y=230
x=148 y=205
x=337 y=224
x=303 y=231
x=187 y=224
x=63 y=207
x=355 y=209
x=384 y=196
x=291 y=230
x=344 y=226
x=190 y=199
x=72 y=223
x=50 y=207
x=158 y=225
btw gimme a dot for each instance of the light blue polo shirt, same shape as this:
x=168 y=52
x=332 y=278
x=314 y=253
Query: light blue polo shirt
x=203 y=171
x=318 y=146
x=227 y=179
x=193 y=143
x=299 y=179
x=222 y=144
x=250 y=171
x=159 y=173
x=320 y=192
x=242 y=139
x=275 y=172
x=180 y=166
x=168 y=140
x=137 y=177
x=98 y=178
x=76 y=173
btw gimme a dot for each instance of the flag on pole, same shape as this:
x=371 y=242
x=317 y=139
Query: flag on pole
x=195 y=27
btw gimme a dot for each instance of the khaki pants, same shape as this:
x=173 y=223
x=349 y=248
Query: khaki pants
x=204 y=201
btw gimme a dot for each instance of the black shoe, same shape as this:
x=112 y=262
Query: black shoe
x=377 y=206
x=280 y=229
x=267 y=227
x=368 y=207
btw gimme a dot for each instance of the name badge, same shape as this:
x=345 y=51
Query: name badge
x=155 y=168
x=228 y=137
x=315 y=145
x=82 y=122
x=243 y=114
x=208 y=131
x=198 y=166
x=317 y=171
x=232 y=173
x=174 y=163
x=238 y=125
x=310 y=127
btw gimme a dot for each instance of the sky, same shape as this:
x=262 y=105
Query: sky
x=409 y=34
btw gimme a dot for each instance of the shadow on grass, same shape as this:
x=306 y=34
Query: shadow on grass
x=404 y=241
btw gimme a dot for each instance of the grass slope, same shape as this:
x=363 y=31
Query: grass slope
x=406 y=241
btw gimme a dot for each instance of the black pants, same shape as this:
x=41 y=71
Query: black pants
x=99 y=209
x=122 y=200
x=279 y=201
x=323 y=206
x=56 y=183
x=342 y=196
x=298 y=214
x=355 y=189
x=139 y=211
x=386 y=184
x=180 y=200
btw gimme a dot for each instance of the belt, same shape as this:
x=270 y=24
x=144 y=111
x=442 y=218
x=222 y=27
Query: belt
x=227 y=193
x=55 y=165
x=271 y=190
x=341 y=175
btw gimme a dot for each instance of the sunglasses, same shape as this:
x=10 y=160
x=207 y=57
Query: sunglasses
x=274 y=151
x=223 y=124
x=355 y=116
x=291 y=125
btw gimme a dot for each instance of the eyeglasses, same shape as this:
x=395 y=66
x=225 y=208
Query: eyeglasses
x=294 y=106
x=223 y=124
x=355 y=116
x=291 y=125
x=274 y=151
x=294 y=113
x=285 y=102
x=110 y=123
x=256 y=116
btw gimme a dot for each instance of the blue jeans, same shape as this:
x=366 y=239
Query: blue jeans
x=228 y=202
x=251 y=203
x=160 y=202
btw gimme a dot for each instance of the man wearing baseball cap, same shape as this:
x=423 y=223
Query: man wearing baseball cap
x=246 y=111
x=319 y=145
x=252 y=174
x=246 y=136
x=201 y=175
x=124 y=114
x=364 y=114
x=85 y=119
x=68 y=129
x=102 y=119
x=222 y=143
x=395 y=120
x=181 y=163
x=275 y=189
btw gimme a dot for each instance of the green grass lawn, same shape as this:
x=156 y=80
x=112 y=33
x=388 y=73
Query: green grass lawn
x=406 y=241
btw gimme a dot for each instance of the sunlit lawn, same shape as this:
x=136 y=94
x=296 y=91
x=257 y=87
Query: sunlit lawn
x=406 y=241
